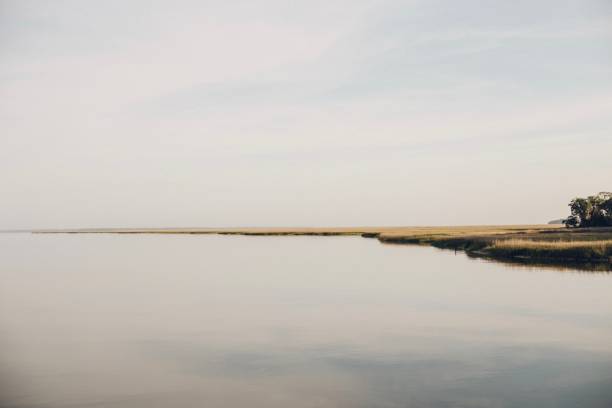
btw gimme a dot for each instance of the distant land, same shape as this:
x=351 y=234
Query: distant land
x=550 y=243
x=556 y=222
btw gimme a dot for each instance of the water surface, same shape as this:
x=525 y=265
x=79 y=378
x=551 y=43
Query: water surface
x=229 y=321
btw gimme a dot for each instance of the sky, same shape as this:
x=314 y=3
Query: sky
x=302 y=113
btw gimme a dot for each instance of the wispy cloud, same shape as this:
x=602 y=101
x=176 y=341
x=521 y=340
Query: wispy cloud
x=90 y=89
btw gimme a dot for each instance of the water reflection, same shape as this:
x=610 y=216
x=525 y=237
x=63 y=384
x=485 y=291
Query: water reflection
x=465 y=375
x=183 y=321
x=559 y=266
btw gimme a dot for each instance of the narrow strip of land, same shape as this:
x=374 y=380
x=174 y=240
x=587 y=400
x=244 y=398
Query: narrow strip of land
x=525 y=243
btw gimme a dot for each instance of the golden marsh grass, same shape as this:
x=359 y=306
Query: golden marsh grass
x=559 y=245
x=527 y=242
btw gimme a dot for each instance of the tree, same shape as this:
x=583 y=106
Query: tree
x=593 y=211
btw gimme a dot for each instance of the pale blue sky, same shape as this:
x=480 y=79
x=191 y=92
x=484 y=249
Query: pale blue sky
x=226 y=113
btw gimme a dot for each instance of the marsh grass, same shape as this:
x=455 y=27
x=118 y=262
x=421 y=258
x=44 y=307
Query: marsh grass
x=564 y=249
x=603 y=245
x=525 y=243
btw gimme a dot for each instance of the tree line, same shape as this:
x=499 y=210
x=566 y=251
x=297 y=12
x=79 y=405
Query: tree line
x=593 y=211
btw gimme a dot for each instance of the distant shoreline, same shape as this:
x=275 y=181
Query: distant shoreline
x=402 y=230
x=526 y=244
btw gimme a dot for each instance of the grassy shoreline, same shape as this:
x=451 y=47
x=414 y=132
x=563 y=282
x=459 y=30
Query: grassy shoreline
x=577 y=246
x=524 y=243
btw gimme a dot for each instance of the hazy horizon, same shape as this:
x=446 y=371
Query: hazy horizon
x=270 y=113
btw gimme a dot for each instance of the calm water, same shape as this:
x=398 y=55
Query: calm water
x=214 y=321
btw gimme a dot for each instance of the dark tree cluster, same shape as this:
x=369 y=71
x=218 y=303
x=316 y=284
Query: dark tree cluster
x=593 y=211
